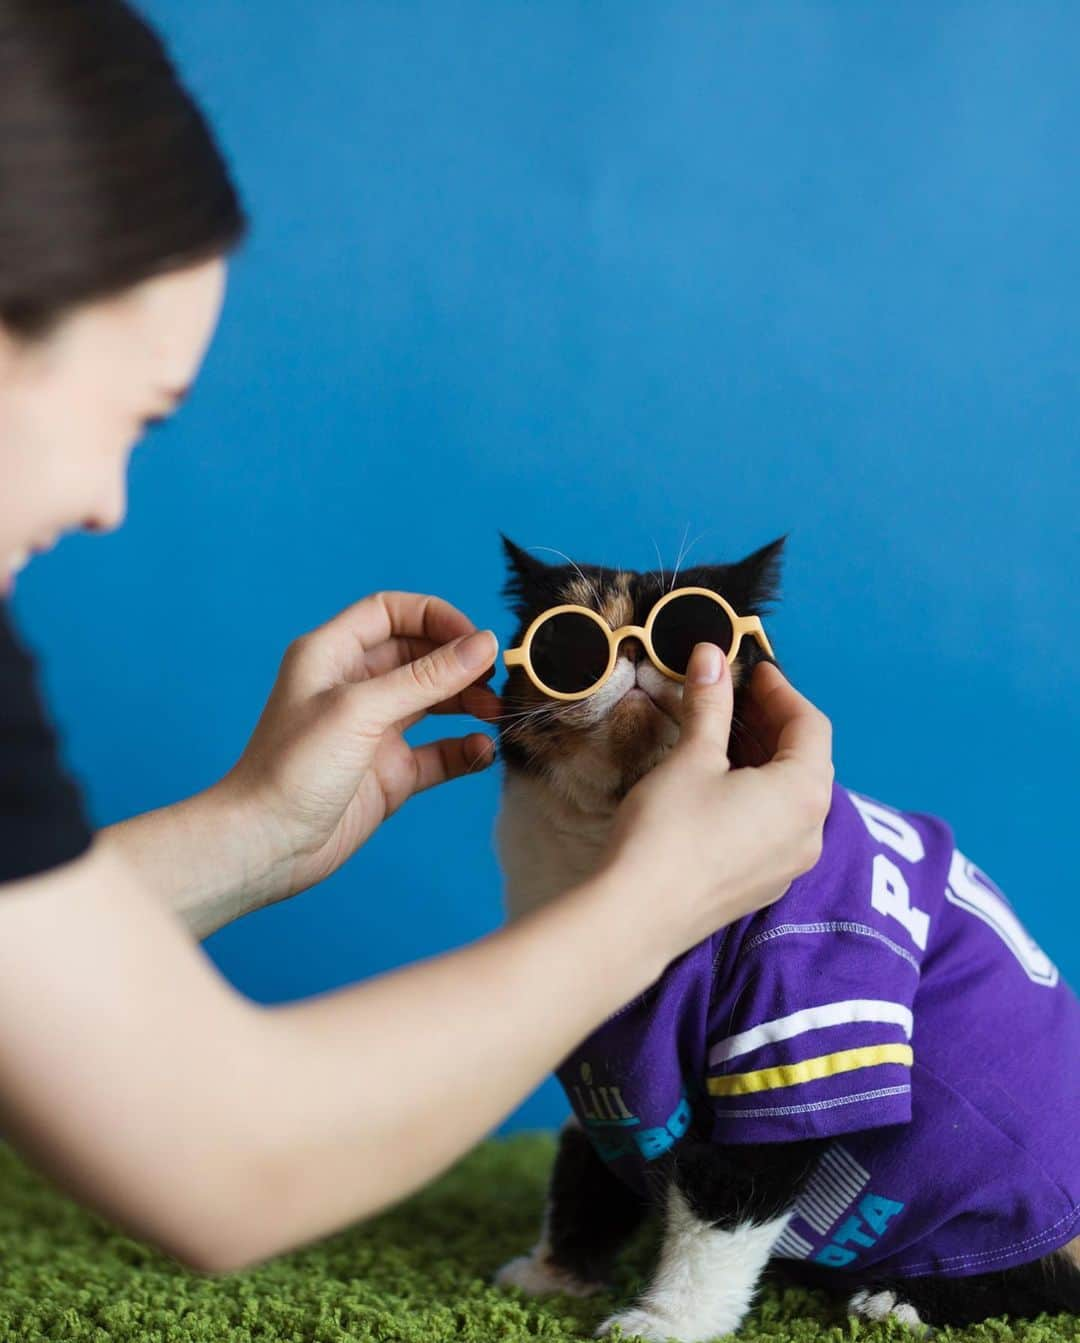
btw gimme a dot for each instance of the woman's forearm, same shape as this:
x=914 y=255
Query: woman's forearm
x=419 y=1065
x=227 y=1132
x=203 y=857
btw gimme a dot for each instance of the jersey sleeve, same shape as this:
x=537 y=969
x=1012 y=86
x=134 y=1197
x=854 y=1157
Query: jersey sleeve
x=42 y=822
x=811 y=1032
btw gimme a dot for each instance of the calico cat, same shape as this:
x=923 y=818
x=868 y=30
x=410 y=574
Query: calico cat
x=874 y=1082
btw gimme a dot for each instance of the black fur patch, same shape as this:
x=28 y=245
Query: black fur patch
x=751 y=1183
x=592 y=1212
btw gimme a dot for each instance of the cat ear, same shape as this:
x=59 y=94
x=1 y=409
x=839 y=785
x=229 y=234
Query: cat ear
x=523 y=566
x=525 y=579
x=760 y=572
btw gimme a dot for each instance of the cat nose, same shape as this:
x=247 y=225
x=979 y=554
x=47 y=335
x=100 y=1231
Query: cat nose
x=632 y=649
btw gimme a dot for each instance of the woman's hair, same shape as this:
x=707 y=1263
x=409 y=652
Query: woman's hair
x=109 y=173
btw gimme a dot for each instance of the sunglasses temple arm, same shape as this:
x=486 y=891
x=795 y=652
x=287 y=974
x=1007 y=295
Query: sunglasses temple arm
x=514 y=657
x=752 y=625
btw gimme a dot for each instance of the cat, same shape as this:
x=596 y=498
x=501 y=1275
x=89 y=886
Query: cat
x=840 y=1085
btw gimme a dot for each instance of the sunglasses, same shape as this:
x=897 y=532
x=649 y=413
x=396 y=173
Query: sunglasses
x=570 y=651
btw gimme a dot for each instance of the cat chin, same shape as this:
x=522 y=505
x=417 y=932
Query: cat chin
x=595 y=779
x=615 y=748
x=636 y=728
x=638 y=701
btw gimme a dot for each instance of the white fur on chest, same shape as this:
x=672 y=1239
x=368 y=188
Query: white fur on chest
x=545 y=845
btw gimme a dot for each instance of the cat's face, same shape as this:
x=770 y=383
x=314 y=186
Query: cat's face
x=593 y=750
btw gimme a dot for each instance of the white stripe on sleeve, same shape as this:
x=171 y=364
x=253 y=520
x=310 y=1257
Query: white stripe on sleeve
x=812 y=1019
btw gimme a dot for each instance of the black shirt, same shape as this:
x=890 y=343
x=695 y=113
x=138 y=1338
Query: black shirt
x=42 y=823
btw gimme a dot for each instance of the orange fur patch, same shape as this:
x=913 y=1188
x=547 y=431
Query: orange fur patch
x=580 y=592
x=612 y=601
x=618 y=608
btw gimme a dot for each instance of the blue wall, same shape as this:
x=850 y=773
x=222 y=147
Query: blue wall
x=597 y=273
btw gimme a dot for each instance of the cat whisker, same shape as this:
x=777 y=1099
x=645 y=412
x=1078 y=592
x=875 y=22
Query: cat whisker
x=659 y=561
x=530 y=707
x=684 y=557
x=516 y=713
x=517 y=725
x=679 y=557
x=518 y=722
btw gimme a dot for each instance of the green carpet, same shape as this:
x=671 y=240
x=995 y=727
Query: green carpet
x=418 y=1273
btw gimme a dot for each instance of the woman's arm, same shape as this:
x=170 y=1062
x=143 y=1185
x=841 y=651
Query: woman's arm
x=134 y=1075
x=202 y=858
x=225 y=1132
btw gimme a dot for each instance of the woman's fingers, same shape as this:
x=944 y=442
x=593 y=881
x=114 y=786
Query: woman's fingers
x=803 y=737
x=707 y=701
x=440 y=761
x=801 y=730
x=478 y=701
x=774 y=707
x=397 y=652
x=404 y=771
x=413 y=614
x=339 y=649
x=437 y=678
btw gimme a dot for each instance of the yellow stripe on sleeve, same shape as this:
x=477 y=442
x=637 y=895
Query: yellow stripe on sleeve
x=791 y=1074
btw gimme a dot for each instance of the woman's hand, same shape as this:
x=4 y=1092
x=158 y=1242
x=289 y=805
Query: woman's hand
x=702 y=844
x=328 y=761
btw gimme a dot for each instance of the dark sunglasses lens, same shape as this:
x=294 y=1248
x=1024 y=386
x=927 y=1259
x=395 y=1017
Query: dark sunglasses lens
x=569 y=653
x=684 y=622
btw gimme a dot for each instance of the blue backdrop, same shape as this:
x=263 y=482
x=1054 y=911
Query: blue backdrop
x=600 y=274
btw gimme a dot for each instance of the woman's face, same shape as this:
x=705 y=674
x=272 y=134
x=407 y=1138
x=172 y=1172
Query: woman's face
x=74 y=403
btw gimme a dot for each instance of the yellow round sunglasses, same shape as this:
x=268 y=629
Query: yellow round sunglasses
x=568 y=652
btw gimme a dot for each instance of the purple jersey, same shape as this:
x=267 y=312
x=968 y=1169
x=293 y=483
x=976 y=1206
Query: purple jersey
x=892 y=1001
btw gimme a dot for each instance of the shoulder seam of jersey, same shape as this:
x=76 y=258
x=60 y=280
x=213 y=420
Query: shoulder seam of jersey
x=831 y=926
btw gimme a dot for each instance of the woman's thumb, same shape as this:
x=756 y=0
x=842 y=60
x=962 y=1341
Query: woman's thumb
x=708 y=698
x=437 y=676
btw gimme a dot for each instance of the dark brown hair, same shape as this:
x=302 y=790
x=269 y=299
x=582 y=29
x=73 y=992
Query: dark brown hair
x=109 y=173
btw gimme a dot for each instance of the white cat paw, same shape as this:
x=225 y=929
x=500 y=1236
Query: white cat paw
x=535 y=1275
x=640 y=1322
x=885 y=1305
x=637 y=1324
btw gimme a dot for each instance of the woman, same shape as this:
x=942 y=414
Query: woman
x=129 y=1070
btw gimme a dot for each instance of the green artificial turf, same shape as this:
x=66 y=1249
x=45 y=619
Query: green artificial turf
x=420 y=1272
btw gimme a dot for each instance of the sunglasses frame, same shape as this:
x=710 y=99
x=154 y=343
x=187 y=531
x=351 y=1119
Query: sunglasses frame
x=521 y=656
